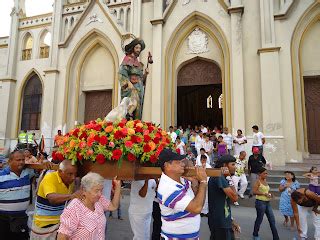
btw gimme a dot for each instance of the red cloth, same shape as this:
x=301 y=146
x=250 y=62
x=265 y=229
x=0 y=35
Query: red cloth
x=131 y=61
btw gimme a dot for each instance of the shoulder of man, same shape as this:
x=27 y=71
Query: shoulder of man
x=5 y=171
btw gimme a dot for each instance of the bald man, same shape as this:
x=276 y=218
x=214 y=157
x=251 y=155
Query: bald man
x=54 y=191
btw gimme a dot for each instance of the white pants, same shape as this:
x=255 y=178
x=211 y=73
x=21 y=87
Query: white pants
x=303 y=213
x=205 y=208
x=243 y=183
x=140 y=225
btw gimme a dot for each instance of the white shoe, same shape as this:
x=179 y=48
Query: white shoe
x=241 y=196
x=236 y=203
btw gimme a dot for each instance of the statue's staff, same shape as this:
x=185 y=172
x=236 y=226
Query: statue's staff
x=150 y=60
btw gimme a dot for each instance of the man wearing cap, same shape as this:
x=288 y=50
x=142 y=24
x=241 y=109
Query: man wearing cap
x=180 y=204
x=221 y=191
x=256 y=162
x=131 y=77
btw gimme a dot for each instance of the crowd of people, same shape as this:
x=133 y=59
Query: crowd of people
x=68 y=207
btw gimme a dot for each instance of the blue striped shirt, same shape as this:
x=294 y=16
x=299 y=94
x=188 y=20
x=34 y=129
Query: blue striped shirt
x=14 y=191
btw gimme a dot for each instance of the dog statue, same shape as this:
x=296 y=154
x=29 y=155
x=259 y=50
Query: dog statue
x=120 y=112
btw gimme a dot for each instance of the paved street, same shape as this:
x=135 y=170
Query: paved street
x=120 y=230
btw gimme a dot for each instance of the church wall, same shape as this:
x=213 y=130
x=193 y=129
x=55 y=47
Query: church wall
x=3 y=62
x=284 y=30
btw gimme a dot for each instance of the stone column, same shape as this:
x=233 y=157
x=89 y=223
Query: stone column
x=51 y=77
x=156 y=73
x=238 y=111
x=136 y=17
x=271 y=87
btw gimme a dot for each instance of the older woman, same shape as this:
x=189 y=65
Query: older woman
x=84 y=218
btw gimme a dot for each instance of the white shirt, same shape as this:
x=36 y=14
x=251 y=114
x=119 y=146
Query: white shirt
x=173 y=136
x=204 y=130
x=174 y=198
x=180 y=147
x=257 y=139
x=139 y=204
x=227 y=138
x=208 y=146
x=199 y=142
x=198 y=160
x=237 y=147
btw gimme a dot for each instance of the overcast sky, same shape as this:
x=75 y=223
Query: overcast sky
x=33 y=7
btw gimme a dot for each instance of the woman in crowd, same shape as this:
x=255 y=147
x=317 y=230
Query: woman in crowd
x=84 y=218
x=181 y=146
x=239 y=142
x=221 y=147
x=263 y=196
x=287 y=186
x=29 y=158
x=313 y=175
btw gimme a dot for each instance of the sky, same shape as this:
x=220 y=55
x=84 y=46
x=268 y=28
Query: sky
x=33 y=7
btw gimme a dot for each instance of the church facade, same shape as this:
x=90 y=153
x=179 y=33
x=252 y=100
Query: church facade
x=235 y=63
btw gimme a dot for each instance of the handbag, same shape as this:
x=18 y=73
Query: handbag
x=19 y=224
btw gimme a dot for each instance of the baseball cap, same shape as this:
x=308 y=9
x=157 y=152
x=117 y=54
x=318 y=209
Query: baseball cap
x=167 y=155
x=255 y=150
x=224 y=159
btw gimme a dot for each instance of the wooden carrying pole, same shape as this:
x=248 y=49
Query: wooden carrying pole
x=141 y=172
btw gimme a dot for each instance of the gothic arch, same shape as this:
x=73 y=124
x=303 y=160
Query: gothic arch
x=84 y=48
x=213 y=30
x=29 y=76
x=306 y=21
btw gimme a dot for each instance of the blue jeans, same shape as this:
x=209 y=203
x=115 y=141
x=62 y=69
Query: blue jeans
x=264 y=207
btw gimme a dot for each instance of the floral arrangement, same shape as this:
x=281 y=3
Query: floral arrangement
x=103 y=141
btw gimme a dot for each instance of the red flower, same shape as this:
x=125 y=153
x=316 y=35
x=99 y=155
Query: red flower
x=83 y=135
x=97 y=127
x=146 y=138
x=118 y=135
x=109 y=123
x=158 y=135
x=131 y=157
x=100 y=158
x=128 y=144
x=153 y=159
x=116 y=154
x=53 y=155
x=79 y=156
x=150 y=128
x=124 y=131
x=136 y=139
x=159 y=150
x=97 y=138
x=146 y=148
x=156 y=140
x=76 y=132
x=103 y=140
x=121 y=124
x=178 y=150
x=139 y=129
x=59 y=156
x=168 y=140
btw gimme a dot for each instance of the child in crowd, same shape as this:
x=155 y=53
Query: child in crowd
x=313 y=175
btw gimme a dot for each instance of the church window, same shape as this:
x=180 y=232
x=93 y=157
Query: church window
x=31 y=104
x=27 y=47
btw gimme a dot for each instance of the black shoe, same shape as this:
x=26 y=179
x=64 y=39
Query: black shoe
x=250 y=195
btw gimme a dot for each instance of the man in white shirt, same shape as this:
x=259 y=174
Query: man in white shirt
x=203 y=129
x=208 y=147
x=240 y=175
x=180 y=207
x=228 y=139
x=140 y=209
x=199 y=142
x=258 y=139
x=172 y=134
x=198 y=159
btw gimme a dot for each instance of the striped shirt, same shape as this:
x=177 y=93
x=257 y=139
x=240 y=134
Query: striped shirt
x=79 y=222
x=174 y=197
x=15 y=191
x=47 y=213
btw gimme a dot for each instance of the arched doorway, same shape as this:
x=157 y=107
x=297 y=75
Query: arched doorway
x=199 y=87
x=31 y=104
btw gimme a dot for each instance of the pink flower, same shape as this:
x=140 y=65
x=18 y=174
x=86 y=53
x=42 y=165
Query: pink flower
x=111 y=144
x=82 y=145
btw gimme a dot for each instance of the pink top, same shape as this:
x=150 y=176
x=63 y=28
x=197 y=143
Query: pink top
x=79 y=222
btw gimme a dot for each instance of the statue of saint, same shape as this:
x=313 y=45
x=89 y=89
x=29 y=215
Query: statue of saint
x=132 y=78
